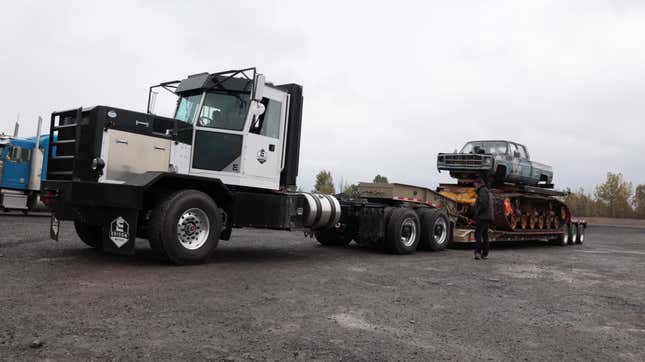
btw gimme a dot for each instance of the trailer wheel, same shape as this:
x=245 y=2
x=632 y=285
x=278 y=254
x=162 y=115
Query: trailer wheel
x=581 y=234
x=572 y=229
x=435 y=230
x=403 y=231
x=89 y=234
x=186 y=227
x=563 y=239
x=333 y=237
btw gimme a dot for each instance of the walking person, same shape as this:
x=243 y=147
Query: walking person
x=483 y=218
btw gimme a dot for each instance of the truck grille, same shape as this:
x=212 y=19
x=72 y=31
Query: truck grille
x=462 y=161
x=64 y=132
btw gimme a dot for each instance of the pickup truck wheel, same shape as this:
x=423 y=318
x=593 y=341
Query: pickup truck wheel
x=435 y=230
x=403 y=231
x=89 y=234
x=333 y=237
x=186 y=227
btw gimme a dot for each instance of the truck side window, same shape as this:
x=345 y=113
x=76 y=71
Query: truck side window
x=512 y=149
x=268 y=124
x=18 y=154
x=523 y=153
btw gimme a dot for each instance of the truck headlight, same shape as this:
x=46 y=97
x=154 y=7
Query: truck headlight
x=488 y=161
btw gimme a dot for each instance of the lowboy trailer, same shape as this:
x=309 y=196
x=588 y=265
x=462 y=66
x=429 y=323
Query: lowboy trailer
x=227 y=159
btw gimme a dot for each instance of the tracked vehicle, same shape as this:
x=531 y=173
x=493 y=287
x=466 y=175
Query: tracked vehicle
x=522 y=189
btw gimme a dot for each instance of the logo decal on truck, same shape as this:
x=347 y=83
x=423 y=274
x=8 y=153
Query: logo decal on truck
x=262 y=157
x=119 y=231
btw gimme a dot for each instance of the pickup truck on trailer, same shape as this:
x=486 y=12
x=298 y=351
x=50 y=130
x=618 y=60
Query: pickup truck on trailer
x=505 y=161
x=227 y=159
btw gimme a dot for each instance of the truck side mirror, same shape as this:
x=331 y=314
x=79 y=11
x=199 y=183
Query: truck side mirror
x=516 y=154
x=258 y=87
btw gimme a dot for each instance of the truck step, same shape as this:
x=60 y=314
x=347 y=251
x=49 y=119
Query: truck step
x=62 y=157
x=63 y=126
x=63 y=142
x=60 y=173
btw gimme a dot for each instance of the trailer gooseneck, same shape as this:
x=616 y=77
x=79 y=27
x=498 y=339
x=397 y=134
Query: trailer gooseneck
x=227 y=159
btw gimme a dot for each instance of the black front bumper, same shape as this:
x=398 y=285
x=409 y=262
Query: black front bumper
x=114 y=208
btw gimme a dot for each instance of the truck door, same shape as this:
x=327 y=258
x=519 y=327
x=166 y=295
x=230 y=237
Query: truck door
x=525 y=165
x=263 y=151
x=514 y=174
x=15 y=167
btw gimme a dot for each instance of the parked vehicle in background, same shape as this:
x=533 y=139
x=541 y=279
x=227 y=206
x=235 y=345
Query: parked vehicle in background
x=23 y=163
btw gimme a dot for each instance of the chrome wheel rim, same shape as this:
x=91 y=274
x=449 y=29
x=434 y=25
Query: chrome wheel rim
x=193 y=228
x=408 y=232
x=440 y=231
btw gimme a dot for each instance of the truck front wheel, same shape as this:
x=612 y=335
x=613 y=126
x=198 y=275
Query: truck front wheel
x=186 y=226
x=403 y=231
x=89 y=234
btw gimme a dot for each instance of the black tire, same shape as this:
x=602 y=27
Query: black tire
x=565 y=237
x=89 y=234
x=333 y=237
x=403 y=231
x=580 y=238
x=435 y=230
x=571 y=229
x=164 y=226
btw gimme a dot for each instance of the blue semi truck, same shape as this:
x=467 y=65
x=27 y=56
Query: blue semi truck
x=23 y=165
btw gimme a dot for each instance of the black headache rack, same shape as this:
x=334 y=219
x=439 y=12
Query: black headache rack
x=67 y=136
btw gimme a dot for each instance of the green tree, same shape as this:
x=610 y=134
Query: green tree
x=325 y=183
x=613 y=196
x=350 y=191
x=580 y=203
x=639 y=202
x=378 y=179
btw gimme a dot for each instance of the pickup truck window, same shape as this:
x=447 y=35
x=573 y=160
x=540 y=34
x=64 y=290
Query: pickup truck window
x=523 y=153
x=490 y=147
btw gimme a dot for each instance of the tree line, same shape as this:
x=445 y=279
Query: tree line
x=325 y=185
x=616 y=197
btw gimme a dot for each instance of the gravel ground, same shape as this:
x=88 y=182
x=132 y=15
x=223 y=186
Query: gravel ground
x=279 y=296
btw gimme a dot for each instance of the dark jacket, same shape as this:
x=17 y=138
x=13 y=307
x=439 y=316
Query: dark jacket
x=484 y=205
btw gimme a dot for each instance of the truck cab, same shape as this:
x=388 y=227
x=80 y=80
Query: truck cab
x=22 y=163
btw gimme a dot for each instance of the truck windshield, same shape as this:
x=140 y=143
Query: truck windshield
x=224 y=111
x=187 y=107
x=490 y=147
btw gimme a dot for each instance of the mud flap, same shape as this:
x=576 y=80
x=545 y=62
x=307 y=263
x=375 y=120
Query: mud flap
x=119 y=231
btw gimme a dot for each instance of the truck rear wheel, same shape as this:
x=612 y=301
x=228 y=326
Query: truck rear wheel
x=333 y=237
x=186 y=226
x=89 y=234
x=435 y=230
x=403 y=231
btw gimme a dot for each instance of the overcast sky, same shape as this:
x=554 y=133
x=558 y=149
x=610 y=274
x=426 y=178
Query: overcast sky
x=387 y=84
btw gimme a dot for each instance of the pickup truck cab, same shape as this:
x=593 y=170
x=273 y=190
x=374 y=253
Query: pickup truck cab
x=504 y=161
